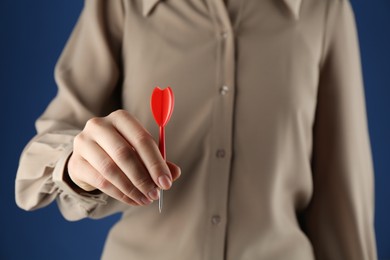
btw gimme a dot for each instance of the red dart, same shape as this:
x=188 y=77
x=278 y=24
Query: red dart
x=162 y=103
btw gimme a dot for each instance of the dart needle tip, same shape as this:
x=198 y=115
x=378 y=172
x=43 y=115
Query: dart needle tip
x=160 y=201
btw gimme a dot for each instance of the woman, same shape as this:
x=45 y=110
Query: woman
x=269 y=130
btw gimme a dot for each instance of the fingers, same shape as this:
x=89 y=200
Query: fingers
x=118 y=155
x=94 y=179
x=109 y=170
x=145 y=146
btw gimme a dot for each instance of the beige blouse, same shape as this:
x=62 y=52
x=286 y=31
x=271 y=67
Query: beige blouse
x=269 y=128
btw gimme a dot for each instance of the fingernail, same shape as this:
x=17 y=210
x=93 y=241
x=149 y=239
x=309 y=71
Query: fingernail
x=145 y=201
x=153 y=194
x=165 y=182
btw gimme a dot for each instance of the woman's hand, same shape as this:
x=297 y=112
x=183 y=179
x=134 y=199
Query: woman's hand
x=116 y=155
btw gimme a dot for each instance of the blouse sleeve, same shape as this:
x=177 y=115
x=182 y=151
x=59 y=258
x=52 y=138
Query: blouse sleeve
x=88 y=75
x=340 y=217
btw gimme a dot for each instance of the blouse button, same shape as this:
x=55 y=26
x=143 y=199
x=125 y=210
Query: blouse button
x=220 y=153
x=224 y=90
x=216 y=219
x=224 y=34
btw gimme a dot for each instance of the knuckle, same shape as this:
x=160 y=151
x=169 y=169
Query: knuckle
x=107 y=167
x=101 y=183
x=156 y=166
x=94 y=123
x=119 y=113
x=134 y=194
x=78 y=139
x=124 y=153
x=142 y=182
x=124 y=198
x=142 y=138
x=131 y=191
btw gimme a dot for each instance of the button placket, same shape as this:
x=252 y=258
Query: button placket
x=222 y=130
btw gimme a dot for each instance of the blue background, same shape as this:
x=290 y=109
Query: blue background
x=32 y=36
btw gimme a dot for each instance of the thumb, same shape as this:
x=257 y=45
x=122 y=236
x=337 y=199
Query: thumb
x=175 y=170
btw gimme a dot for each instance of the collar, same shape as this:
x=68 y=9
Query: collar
x=147 y=6
x=294 y=7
